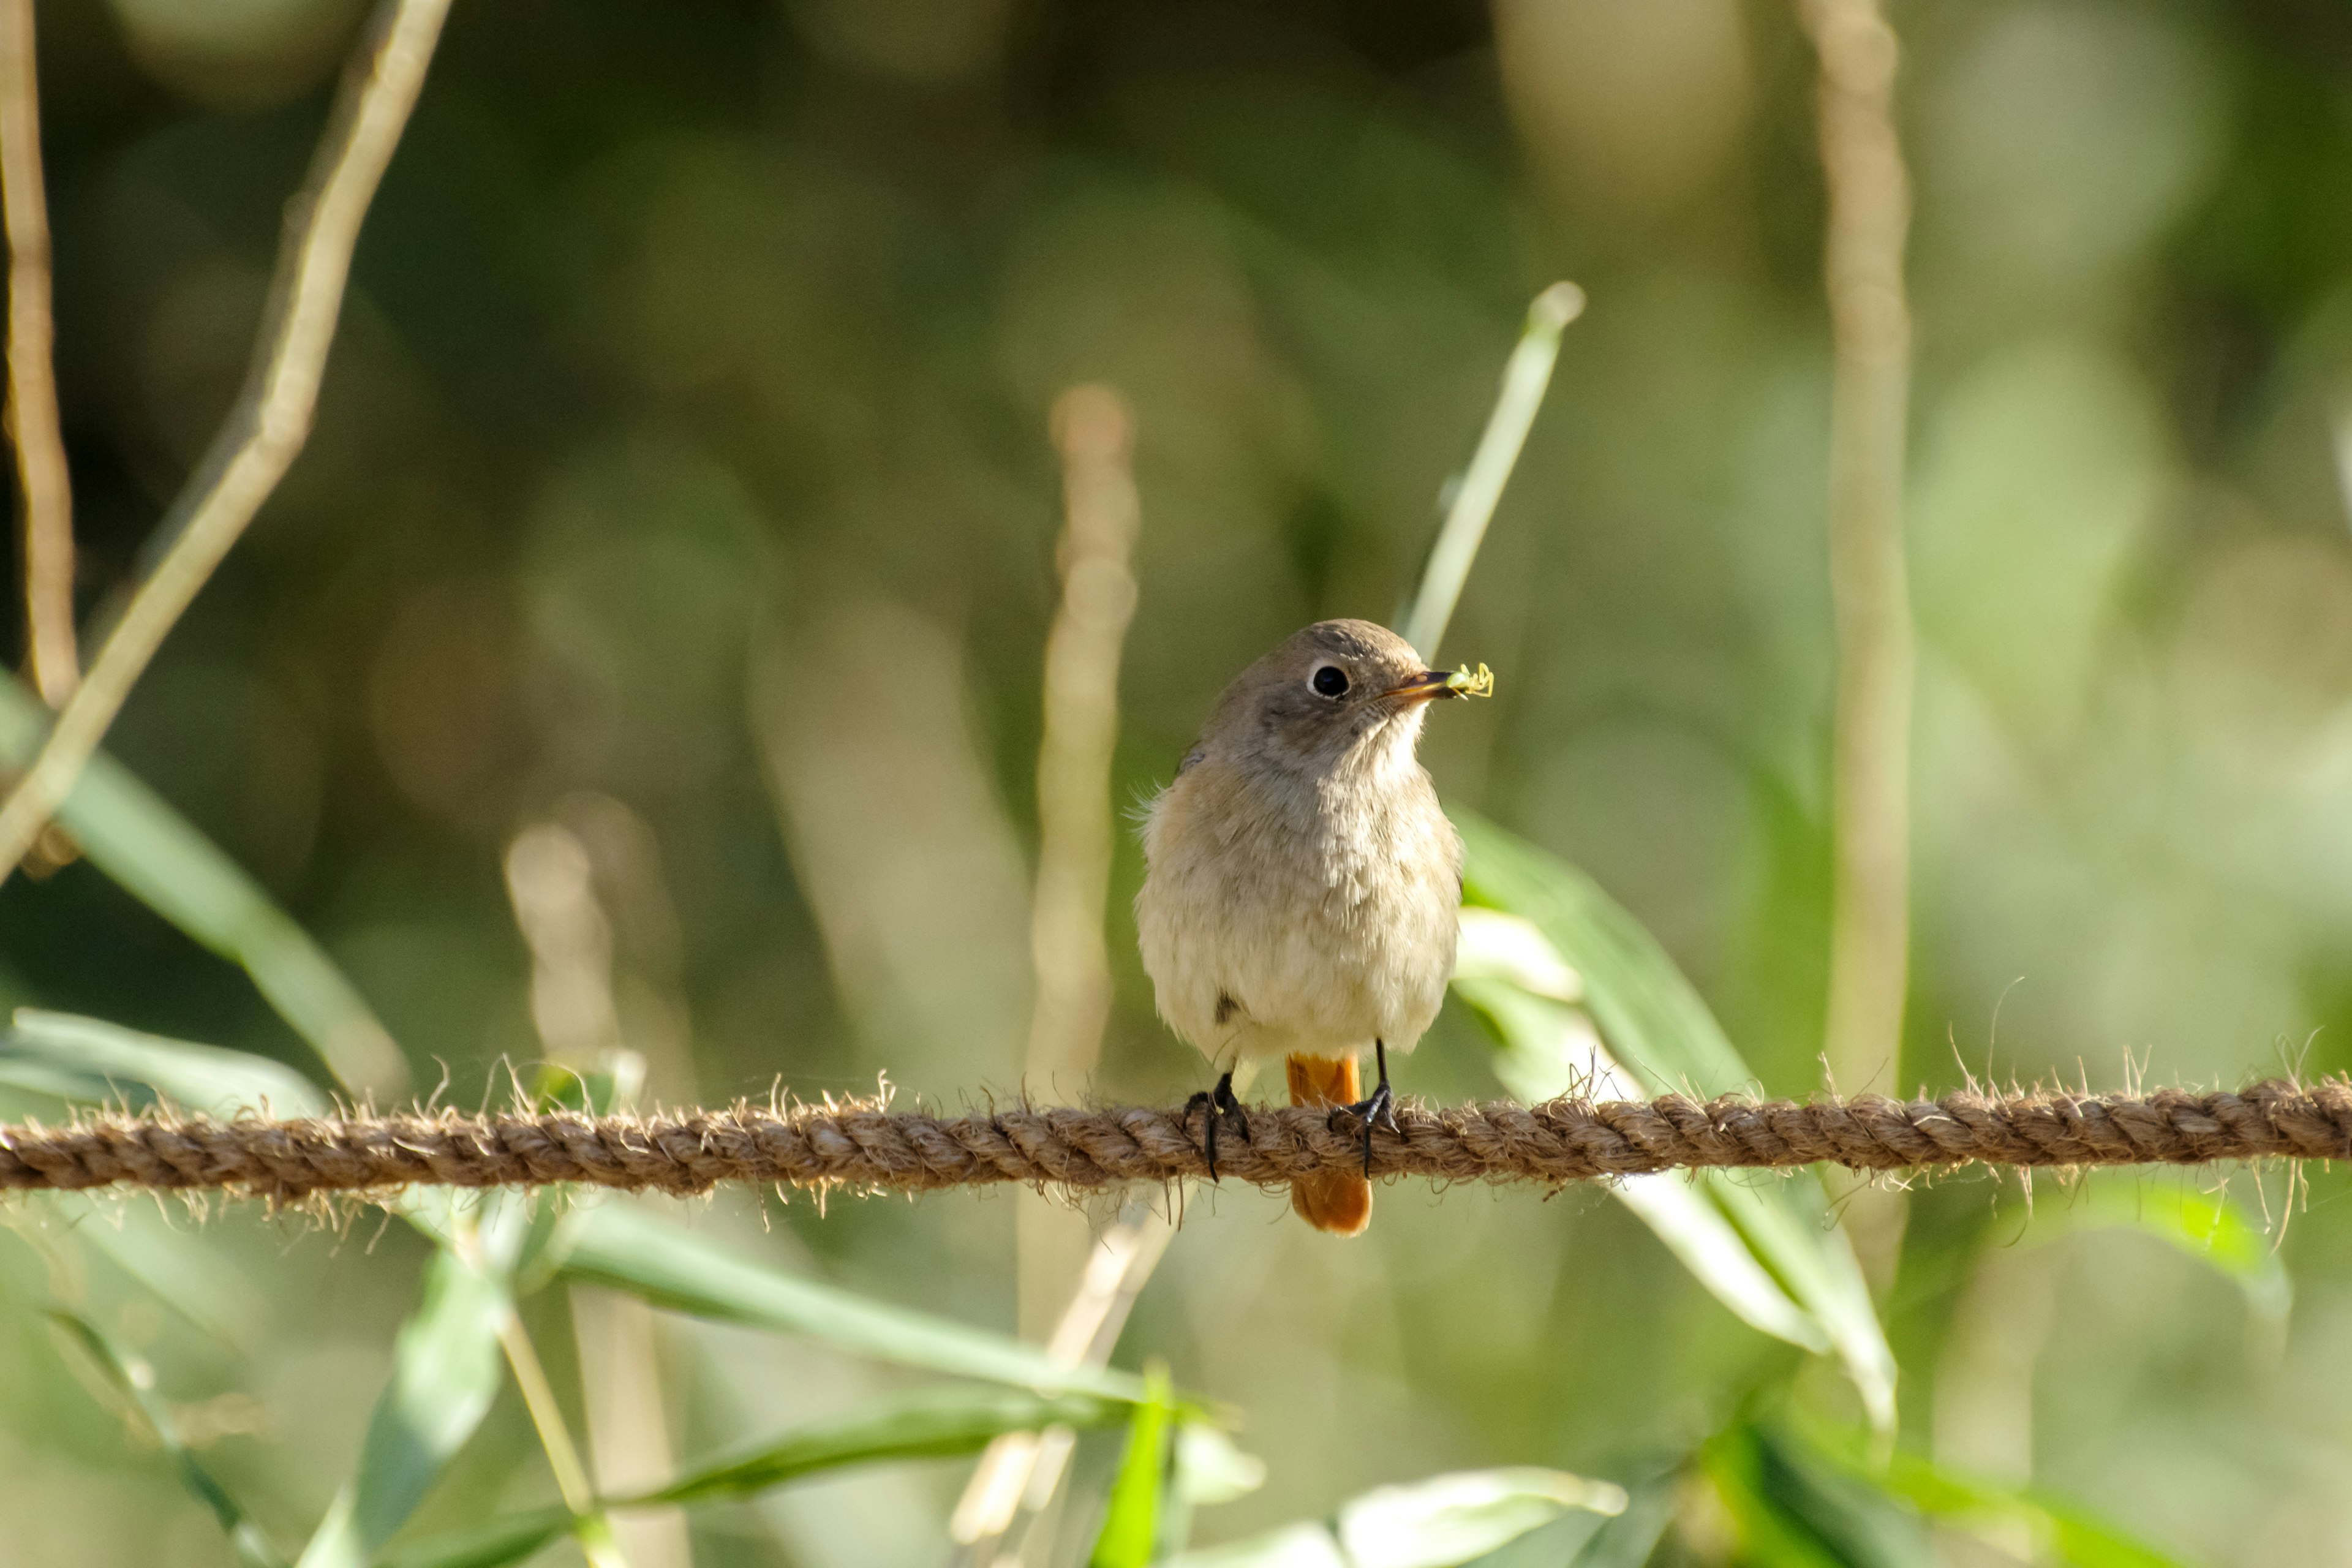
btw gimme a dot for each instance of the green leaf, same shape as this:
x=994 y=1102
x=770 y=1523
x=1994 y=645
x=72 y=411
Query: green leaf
x=1973 y=1504
x=94 y=1061
x=446 y=1371
x=1795 y=1509
x=1661 y=1032
x=1550 y=1050
x=1131 y=1526
x=1433 y=1523
x=494 y=1544
x=645 y=1256
x=127 y=832
x=2207 y=1226
x=1451 y=1519
x=135 y=1381
x=933 y=1424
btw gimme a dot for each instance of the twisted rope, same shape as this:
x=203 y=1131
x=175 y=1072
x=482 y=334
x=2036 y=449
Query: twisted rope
x=864 y=1146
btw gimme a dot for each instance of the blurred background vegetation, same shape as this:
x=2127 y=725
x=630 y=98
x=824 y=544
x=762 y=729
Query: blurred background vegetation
x=681 y=513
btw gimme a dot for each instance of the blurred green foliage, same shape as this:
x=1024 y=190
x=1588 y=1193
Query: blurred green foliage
x=681 y=481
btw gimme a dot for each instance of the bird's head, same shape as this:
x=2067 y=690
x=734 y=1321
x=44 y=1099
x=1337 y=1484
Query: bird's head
x=1335 y=696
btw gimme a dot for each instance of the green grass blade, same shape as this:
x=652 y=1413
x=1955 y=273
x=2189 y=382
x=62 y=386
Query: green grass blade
x=673 y=1268
x=130 y=1377
x=1657 y=1027
x=934 y=1424
x=128 y=832
x=1796 y=1509
x=91 y=1060
x=446 y=1371
x=1130 y=1533
x=1525 y=378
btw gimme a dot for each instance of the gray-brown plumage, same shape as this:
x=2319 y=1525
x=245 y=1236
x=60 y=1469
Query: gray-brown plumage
x=1303 y=889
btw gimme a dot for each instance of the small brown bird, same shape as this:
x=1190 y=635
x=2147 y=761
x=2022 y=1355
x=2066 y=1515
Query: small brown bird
x=1303 y=885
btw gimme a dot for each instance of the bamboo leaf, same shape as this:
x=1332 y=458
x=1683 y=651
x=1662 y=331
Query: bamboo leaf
x=2207 y=1226
x=1661 y=1033
x=1546 y=1049
x=446 y=1371
x=1795 y=1511
x=135 y=1381
x=1434 y=1523
x=128 y=832
x=91 y=1060
x=512 y=1539
x=1451 y=1519
x=934 y=1424
x=673 y=1268
x=1130 y=1533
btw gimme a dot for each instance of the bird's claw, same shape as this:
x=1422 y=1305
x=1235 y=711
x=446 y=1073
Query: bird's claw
x=1220 y=1103
x=1380 y=1110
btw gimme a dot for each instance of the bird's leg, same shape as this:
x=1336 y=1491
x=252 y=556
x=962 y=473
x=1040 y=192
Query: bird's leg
x=1380 y=1110
x=1220 y=1103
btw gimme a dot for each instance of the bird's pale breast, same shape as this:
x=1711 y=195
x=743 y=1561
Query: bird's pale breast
x=1312 y=921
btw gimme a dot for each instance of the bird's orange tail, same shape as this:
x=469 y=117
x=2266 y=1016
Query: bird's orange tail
x=1337 y=1201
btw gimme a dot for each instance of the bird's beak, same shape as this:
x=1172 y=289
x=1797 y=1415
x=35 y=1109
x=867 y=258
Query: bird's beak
x=1434 y=683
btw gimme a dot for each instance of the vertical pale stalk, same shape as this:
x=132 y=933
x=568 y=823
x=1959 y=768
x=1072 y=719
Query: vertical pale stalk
x=44 y=495
x=1526 y=377
x=272 y=417
x=1094 y=431
x=551 y=884
x=1020 y=1472
x=1869 y=212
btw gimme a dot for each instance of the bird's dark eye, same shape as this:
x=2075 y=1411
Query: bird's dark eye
x=1330 y=680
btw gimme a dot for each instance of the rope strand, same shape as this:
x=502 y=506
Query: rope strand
x=864 y=1146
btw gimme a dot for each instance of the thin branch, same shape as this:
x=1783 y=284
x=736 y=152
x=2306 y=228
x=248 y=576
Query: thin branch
x=1869 y=215
x=45 y=494
x=1525 y=377
x=272 y=417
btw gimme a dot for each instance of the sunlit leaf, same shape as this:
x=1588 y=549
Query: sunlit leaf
x=91 y=1060
x=671 y=1266
x=1209 y=1470
x=1628 y=1540
x=1662 y=1035
x=446 y=1371
x=127 y=832
x=132 y=1377
x=1130 y=1534
x=1451 y=1519
x=1546 y=1049
x=1434 y=1523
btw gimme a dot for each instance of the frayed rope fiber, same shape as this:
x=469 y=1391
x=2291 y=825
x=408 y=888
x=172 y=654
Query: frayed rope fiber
x=865 y=1147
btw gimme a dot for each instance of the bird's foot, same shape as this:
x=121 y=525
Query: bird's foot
x=1380 y=1110
x=1219 y=1103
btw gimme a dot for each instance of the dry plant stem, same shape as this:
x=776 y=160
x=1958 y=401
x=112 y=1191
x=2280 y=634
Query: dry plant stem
x=44 y=492
x=1525 y=379
x=1020 y=1471
x=866 y=1148
x=1869 y=214
x=1096 y=435
x=272 y=415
